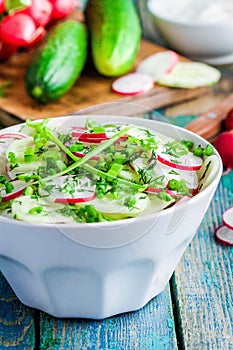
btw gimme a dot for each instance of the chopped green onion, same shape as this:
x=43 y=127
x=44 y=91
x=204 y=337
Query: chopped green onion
x=36 y=210
x=115 y=170
x=2 y=179
x=208 y=151
x=198 y=151
x=9 y=187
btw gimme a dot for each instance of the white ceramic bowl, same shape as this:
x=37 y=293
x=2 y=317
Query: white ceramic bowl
x=198 y=29
x=101 y=269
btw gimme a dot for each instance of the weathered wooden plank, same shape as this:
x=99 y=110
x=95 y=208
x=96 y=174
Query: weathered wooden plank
x=151 y=328
x=17 y=329
x=204 y=282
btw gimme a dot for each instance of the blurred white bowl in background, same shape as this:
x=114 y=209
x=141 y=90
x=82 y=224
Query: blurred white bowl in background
x=200 y=30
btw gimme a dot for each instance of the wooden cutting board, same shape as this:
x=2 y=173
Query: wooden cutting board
x=91 y=89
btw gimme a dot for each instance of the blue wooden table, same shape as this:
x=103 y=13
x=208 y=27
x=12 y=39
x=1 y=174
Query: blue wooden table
x=195 y=310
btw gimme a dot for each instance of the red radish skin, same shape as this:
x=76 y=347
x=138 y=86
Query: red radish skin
x=67 y=200
x=2 y=6
x=227 y=218
x=132 y=84
x=178 y=166
x=228 y=123
x=17 y=29
x=12 y=136
x=40 y=11
x=62 y=8
x=158 y=190
x=224 y=146
x=37 y=36
x=81 y=155
x=6 y=50
x=94 y=137
x=19 y=188
x=225 y=235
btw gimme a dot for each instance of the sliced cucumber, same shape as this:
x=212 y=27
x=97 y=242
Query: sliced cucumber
x=116 y=209
x=208 y=171
x=25 y=209
x=191 y=75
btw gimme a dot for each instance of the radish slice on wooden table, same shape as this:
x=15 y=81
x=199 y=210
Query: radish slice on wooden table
x=184 y=162
x=228 y=218
x=191 y=75
x=225 y=235
x=133 y=84
x=159 y=64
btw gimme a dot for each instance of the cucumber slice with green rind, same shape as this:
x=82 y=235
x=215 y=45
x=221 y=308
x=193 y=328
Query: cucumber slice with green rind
x=191 y=75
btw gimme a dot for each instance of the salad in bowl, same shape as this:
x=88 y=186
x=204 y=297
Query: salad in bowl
x=94 y=208
x=97 y=172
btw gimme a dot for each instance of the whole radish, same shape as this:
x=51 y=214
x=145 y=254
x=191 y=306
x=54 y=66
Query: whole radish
x=224 y=146
x=39 y=11
x=2 y=6
x=228 y=123
x=6 y=50
x=61 y=8
x=19 y=29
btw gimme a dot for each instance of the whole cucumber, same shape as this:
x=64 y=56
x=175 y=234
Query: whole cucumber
x=57 y=65
x=115 y=32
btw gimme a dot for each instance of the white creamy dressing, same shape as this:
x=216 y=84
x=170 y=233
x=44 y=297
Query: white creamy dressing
x=206 y=11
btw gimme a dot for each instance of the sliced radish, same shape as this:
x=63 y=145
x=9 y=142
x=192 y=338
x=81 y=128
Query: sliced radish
x=184 y=162
x=159 y=64
x=90 y=137
x=190 y=177
x=133 y=84
x=154 y=190
x=228 y=218
x=12 y=135
x=225 y=235
x=70 y=190
x=191 y=75
x=81 y=155
x=95 y=137
x=19 y=187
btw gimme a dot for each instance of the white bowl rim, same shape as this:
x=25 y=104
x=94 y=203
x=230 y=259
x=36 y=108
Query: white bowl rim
x=142 y=217
x=186 y=22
